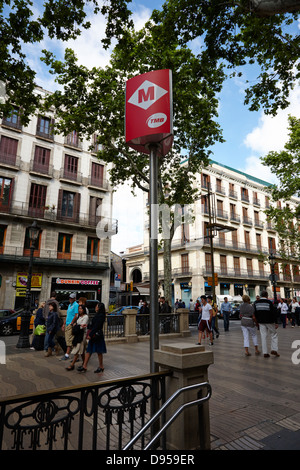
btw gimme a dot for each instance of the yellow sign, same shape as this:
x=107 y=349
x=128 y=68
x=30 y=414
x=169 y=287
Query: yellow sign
x=18 y=323
x=210 y=280
x=20 y=292
x=36 y=280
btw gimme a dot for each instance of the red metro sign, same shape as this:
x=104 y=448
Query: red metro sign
x=148 y=111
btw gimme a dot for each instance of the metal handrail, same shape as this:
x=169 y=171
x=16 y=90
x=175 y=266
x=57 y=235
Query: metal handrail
x=173 y=417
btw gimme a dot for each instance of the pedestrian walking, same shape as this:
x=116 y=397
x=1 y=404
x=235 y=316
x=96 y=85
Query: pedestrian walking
x=226 y=309
x=96 y=342
x=205 y=322
x=214 y=320
x=266 y=316
x=295 y=316
x=68 y=324
x=79 y=335
x=51 y=328
x=39 y=329
x=283 y=308
x=248 y=325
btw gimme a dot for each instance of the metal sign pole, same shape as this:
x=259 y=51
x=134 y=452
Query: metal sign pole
x=154 y=324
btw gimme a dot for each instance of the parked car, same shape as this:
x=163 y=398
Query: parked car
x=119 y=310
x=10 y=322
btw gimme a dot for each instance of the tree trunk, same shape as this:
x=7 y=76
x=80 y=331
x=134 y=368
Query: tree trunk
x=265 y=8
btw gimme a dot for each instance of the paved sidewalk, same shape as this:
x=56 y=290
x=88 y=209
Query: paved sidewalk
x=255 y=401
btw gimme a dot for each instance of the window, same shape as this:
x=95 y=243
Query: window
x=261 y=268
x=205 y=181
x=64 y=246
x=97 y=174
x=235 y=242
x=37 y=200
x=272 y=245
x=6 y=189
x=96 y=146
x=93 y=247
x=232 y=192
x=255 y=199
x=185 y=263
x=247 y=240
x=71 y=167
x=208 y=262
x=95 y=210
x=8 y=150
x=244 y=194
x=223 y=263
x=13 y=120
x=41 y=159
x=236 y=265
x=2 y=238
x=68 y=205
x=204 y=204
x=72 y=139
x=258 y=241
x=249 y=266
x=44 y=127
x=36 y=252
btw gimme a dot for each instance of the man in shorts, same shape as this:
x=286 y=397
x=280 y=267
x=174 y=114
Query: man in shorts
x=68 y=325
x=205 y=322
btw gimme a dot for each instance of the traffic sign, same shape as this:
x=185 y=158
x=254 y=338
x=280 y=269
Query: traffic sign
x=148 y=111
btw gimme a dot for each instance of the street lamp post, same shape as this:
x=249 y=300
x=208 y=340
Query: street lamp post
x=273 y=277
x=23 y=341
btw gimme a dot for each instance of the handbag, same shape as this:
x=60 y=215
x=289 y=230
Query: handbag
x=40 y=330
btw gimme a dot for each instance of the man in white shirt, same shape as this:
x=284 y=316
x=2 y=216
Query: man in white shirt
x=205 y=322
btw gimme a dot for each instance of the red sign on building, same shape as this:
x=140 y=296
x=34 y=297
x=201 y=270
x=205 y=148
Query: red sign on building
x=148 y=111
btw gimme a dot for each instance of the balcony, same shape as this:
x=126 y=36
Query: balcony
x=70 y=176
x=258 y=224
x=256 y=202
x=236 y=273
x=53 y=258
x=220 y=189
x=235 y=218
x=222 y=214
x=247 y=221
x=40 y=169
x=53 y=215
x=99 y=184
x=237 y=246
x=11 y=161
x=233 y=194
x=245 y=198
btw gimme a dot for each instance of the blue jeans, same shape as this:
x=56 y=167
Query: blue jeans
x=226 y=320
x=49 y=341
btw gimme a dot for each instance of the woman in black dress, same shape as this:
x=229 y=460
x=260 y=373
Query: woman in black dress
x=95 y=339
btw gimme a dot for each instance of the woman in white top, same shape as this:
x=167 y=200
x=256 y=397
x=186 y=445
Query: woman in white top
x=283 y=311
x=294 y=304
x=81 y=329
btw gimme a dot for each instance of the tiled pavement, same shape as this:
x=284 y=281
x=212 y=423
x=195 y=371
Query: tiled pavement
x=255 y=401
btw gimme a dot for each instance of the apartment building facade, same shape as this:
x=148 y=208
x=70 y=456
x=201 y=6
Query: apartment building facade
x=57 y=181
x=237 y=206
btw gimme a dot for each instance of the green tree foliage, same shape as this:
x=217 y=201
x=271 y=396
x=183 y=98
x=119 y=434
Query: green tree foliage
x=285 y=216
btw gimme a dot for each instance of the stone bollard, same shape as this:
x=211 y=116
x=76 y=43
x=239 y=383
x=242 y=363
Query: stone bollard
x=184 y=321
x=130 y=325
x=189 y=365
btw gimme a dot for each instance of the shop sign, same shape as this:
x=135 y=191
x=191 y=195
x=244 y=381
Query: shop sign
x=36 y=280
x=82 y=282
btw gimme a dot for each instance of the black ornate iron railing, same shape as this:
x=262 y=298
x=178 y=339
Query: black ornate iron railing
x=97 y=416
